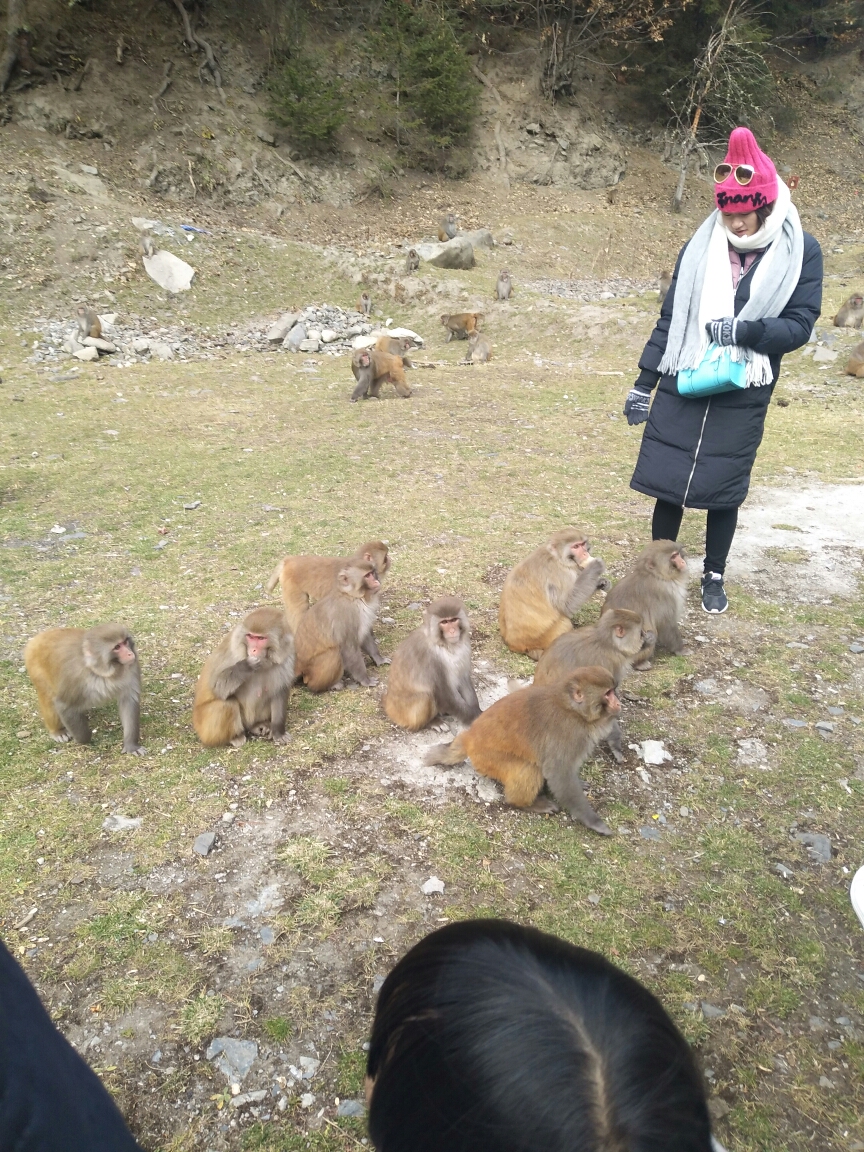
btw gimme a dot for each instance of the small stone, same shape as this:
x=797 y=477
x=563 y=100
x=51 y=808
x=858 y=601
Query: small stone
x=282 y=327
x=593 y=898
x=23 y=734
x=856 y=648
x=307 y=1100
x=266 y=138
x=228 y=817
x=295 y=337
x=309 y=346
x=824 y=726
x=824 y=356
x=711 y=1011
x=843 y=1021
x=718 y=1108
x=433 y=884
x=204 y=843
x=706 y=687
x=89 y=169
x=817 y=844
x=833 y=1045
x=607 y=295
x=248 y=1098
x=308 y=1066
x=784 y=871
x=377 y=984
x=191 y=507
x=415 y=607
x=835 y=712
x=650 y=832
x=350 y=1108
x=653 y=752
x=233 y=1057
x=267 y=935
x=161 y=351
x=142 y=344
x=532 y=129
x=824 y=1082
x=788 y=723
x=86 y=354
x=683 y=810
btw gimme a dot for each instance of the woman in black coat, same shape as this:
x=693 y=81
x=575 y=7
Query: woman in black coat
x=699 y=452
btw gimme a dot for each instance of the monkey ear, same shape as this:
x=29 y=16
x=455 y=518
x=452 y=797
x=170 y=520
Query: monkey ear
x=577 y=694
x=620 y=630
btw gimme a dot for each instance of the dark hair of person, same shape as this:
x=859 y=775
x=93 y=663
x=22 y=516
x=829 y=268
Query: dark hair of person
x=494 y=1037
x=762 y=214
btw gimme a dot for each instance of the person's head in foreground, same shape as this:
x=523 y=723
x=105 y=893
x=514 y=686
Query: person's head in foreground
x=497 y=1038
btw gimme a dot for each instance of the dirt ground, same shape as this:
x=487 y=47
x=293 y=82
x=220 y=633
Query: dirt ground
x=226 y=999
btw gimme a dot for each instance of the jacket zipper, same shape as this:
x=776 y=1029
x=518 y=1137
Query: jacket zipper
x=695 y=456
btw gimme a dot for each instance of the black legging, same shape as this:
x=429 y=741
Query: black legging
x=718 y=533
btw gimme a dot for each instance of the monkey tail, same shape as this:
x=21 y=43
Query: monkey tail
x=275 y=577
x=452 y=753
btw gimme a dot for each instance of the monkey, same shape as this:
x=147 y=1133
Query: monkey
x=332 y=636
x=612 y=643
x=852 y=312
x=89 y=323
x=364 y=304
x=656 y=588
x=431 y=670
x=447 y=227
x=396 y=346
x=544 y=590
x=372 y=368
x=146 y=246
x=461 y=325
x=479 y=350
x=855 y=367
x=412 y=261
x=76 y=669
x=504 y=286
x=665 y=283
x=545 y=732
x=244 y=684
x=307 y=578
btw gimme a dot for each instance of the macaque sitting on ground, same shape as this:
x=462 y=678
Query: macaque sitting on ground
x=307 y=578
x=656 y=589
x=333 y=635
x=543 y=592
x=431 y=669
x=243 y=687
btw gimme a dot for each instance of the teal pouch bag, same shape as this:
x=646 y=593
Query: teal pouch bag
x=718 y=372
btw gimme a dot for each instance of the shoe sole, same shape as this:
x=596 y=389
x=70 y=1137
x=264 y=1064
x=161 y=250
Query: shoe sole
x=715 y=611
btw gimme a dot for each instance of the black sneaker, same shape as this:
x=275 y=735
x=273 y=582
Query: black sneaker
x=713 y=593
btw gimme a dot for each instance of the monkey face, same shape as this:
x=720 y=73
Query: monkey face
x=613 y=704
x=451 y=629
x=580 y=551
x=256 y=647
x=124 y=652
x=677 y=561
x=371 y=581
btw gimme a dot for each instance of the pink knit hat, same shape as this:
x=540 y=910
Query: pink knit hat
x=762 y=189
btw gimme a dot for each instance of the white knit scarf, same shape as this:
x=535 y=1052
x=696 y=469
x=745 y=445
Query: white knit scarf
x=704 y=291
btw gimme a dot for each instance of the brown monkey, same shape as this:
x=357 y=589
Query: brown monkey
x=855 y=367
x=504 y=286
x=479 y=349
x=146 y=246
x=852 y=312
x=75 y=669
x=400 y=346
x=372 y=368
x=656 y=588
x=306 y=578
x=412 y=261
x=244 y=684
x=89 y=323
x=613 y=643
x=431 y=671
x=334 y=633
x=544 y=732
x=665 y=283
x=447 y=227
x=460 y=325
x=543 y=591
x=364 y=304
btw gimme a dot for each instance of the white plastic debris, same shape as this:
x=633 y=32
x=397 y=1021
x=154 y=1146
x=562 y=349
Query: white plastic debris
x=121 y=823
x=654 y=752
x=856 y=894
x=433 y=884
x=169 y=271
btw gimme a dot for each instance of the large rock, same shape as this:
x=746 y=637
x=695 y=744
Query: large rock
x=482 y=238
x=282 y=327
x=169 y=271
x=455 y=253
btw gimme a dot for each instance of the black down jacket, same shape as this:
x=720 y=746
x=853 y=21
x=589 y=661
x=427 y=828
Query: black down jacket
x=699 y=453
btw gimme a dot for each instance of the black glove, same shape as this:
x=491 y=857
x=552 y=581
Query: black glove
x=636 y=405
x=723 y=331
